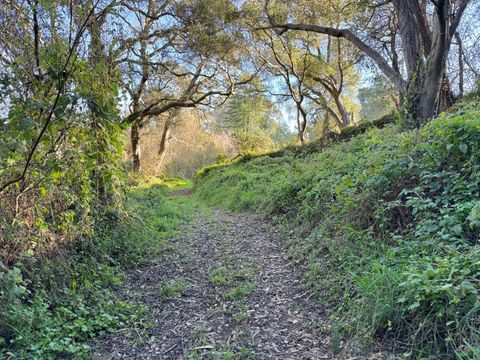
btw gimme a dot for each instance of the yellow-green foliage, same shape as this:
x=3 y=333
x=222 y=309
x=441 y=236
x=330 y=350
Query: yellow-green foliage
x=392 y=222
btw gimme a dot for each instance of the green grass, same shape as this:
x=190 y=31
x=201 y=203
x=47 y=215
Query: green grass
x=225 y=275
x=387 y=226
x=220 y=276
x=198 y=353
x=241 y=354
x=173 y=288
x=240 y=291
x=202 y=348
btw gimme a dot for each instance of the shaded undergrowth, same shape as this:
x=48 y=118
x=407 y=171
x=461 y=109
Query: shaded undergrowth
x=52 y=305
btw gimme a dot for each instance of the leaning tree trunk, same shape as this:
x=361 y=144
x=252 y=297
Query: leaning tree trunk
x=345 y=116
x=336 y=118
x=301 y=123
x=164 y=143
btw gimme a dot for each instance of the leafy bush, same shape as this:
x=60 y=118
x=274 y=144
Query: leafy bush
x=51 y=307
x=390 y=223
x=35 y=325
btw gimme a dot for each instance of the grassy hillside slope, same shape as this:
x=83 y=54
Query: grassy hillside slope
x=389 y=224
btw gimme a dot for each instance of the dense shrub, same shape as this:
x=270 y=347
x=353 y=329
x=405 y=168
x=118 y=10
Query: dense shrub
x=52 y=304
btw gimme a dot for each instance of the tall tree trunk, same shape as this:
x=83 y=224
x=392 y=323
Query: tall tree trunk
x=135 y=143
x=435 y=65
x=97 y=56
x=135 y=131
x=409 y=33
x=353 y=119
x=460 y=63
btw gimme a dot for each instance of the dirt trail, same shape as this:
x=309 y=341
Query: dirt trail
x=224 y=291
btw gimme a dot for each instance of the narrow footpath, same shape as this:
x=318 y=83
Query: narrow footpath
x=224 y=290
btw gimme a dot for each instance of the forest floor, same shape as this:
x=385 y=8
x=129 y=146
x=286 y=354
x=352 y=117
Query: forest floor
x=223 y=290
